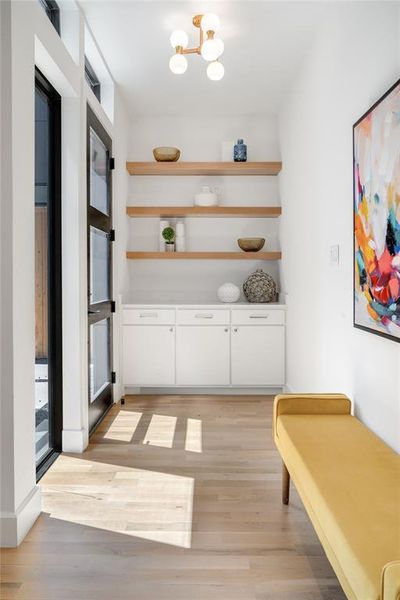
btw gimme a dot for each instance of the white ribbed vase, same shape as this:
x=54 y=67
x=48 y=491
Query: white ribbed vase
x=228 y=292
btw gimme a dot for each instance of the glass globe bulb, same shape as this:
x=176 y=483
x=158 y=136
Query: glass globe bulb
x=179 y=38
x=210 y=22
x=178 y=64
x=212 y=49
x=215 y=71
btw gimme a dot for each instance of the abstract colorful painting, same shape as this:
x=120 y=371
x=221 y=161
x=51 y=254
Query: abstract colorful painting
x=376 y=138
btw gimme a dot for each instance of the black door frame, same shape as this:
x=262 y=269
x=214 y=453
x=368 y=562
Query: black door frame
x=100 y=310
x=55 y=361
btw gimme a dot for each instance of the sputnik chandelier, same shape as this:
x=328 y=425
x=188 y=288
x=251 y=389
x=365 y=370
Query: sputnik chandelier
x=210 y=48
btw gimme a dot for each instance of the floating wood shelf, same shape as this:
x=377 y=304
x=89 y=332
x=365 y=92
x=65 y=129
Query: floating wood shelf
x=203 y=168
x=205 y=255
x=203 y=211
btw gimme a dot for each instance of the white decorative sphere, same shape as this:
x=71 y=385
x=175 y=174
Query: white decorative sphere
x=178 y=64
x=228 y=292
x=210 y=22
x=212 y=49
x=179 y=38
x=215 y=71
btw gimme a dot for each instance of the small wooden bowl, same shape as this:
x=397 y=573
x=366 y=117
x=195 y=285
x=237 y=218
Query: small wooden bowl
x=166 y=154
x=251 y=244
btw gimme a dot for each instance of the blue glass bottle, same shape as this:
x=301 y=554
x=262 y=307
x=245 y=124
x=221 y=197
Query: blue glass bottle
x=240 y=152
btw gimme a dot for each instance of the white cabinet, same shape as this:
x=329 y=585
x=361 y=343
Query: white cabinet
x=148 y=354
x=257 y=355
x=203 y=346
x=202 y=355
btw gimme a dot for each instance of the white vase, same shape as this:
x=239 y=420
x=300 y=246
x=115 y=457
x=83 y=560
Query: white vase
x=180 y=229
x=206 y=197
x=180 y=243
x=228 y=292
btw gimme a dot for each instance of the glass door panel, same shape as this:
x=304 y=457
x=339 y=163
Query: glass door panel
x=42 y=174
x=99 y=358
x=99 y=265
x=48 y=296
x=99 y=160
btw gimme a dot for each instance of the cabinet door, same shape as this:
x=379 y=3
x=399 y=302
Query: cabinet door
x=148 y=355
x=202 y=355
x=258 y=356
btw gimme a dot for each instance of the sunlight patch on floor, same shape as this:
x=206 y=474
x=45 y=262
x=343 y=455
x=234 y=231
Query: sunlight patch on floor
x=161 y=431
x=146 y=504
x=123 y=426
x=194 y=436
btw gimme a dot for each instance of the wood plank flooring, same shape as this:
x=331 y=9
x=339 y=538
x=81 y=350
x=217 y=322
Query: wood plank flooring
x=177 y=497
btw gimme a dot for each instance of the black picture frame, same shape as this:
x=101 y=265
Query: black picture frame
x=355 y=125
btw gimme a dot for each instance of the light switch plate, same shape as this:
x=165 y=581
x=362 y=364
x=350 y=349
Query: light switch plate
x=334 y=254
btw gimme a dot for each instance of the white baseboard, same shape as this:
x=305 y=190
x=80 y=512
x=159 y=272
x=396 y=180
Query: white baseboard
x=75 y=440
x=287 y=389
x=15 y=525
x=204 y=391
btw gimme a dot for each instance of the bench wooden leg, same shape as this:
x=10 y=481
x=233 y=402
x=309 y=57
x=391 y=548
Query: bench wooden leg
x=285 y=484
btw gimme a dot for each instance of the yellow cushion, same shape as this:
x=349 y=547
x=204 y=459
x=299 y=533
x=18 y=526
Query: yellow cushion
x=391 y=581
x=349 y=482
x=309 y=404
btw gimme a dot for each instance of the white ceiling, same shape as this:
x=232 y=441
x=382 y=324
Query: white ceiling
x=264 y=44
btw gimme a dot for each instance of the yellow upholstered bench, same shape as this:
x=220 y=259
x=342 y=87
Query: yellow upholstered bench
x=349 y=482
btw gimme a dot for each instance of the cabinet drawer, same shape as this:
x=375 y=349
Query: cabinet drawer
x=147 y=316
x=258 y=316
x=202 y=317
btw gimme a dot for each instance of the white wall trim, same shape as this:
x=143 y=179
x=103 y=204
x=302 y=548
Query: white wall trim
x=15 y=525
x=287 y=389
x=75 y=440
x=215 y=391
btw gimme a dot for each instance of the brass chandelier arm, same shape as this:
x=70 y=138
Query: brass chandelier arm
x=191 y=50
x=180 y=50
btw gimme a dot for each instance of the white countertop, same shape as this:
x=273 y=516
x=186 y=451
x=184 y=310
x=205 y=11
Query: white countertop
x=214 y=305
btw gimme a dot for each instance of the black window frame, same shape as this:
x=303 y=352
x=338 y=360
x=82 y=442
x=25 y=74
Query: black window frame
x=52 y=10
x=92 y=79
x=55 y=360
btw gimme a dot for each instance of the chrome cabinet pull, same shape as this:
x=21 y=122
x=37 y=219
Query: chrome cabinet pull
x=235 y=330
x=259 y=316
x=204 y=316
x=148 y=315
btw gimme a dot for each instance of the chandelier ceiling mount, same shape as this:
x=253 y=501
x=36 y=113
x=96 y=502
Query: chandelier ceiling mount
x=210 y=47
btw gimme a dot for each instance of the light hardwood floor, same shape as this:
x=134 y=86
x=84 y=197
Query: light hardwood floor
x=177 y=497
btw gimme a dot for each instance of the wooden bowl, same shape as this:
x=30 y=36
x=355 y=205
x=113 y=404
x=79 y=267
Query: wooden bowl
x=251 y=244
x=166 y=154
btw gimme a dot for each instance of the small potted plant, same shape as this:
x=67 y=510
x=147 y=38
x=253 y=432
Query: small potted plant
x=169 y=236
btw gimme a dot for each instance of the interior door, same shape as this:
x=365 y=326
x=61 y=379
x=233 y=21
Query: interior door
x=99 y=247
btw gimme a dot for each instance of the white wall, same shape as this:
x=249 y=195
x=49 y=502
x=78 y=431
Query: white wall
x=29 y=39
x=353 y=61
x=199 y=138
